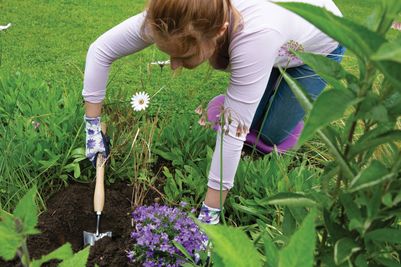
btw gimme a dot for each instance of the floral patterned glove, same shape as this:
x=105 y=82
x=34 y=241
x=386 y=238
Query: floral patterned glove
x=96 y=140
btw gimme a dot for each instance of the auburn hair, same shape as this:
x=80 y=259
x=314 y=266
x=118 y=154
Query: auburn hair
x=188 y=23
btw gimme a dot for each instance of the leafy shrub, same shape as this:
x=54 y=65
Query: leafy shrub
x=231 y=247
x=184 y=142
x=39 y=137
x=257 y=180
x=359 y=225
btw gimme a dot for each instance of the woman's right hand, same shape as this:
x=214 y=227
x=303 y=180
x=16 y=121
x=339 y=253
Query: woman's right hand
x=96 y=140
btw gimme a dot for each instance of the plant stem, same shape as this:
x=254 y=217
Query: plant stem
x=222 y=121
x=25 y=259
x=365 y=85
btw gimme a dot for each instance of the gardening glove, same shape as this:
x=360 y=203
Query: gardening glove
x=96 y=140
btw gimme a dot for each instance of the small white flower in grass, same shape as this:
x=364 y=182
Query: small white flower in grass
x=5 y=27
x=161 y=63
x=140 y=101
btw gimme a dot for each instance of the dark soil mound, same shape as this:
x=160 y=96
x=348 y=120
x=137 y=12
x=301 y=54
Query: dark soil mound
x=70 y=212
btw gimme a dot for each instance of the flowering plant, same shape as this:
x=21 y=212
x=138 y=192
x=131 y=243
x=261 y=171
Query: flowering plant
x=157 y=231
x=140 y=101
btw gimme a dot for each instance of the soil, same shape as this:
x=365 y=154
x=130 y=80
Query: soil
x=70 y=212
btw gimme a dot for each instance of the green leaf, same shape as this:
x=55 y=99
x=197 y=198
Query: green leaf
x=182 y=249
x=78 y=259
x=391 y=10
x=359 y=39
x=330 y=70
x=390 y=51
x=290 y=199
x=353 y=212
x=232 y=246
x=61 y=253
x=289 y=223
x=388 y=262
x=335 y=230
x=298 y=91
x=374 y=174
x=361 y=261
x=301 y=248
x=378 y=113
x=10 y=240
x=385 y=235
x=366 y=143
x=323 y=112
x=343 y=250
x=387 y=199
x=77 y=171
x=26 y=210
x=271 y=252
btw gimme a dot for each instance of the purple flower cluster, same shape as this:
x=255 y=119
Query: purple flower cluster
x=156 y=227
x=287 y=48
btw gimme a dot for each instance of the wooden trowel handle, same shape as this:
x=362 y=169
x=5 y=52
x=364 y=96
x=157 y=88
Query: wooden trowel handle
x=98 y=199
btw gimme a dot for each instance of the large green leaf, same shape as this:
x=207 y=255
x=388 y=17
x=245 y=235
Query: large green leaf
x=329 y=106
x=390 y=51
x=343 y=250
x=10 y=240
x=391 y=9
x=359 y=39
x=374 y=174
x=27 y=212
x=330 y=70
x=289 y=224
x=299 y=92
x=61 y=253
x=385 y=235
x=271 y=252
x=301 y=248
x=388 y=262
x=290 y=199
x=79 y=259
x=368 y=143
x=232 y=246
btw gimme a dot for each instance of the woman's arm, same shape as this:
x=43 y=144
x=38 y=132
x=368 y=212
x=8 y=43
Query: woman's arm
x=124 y=39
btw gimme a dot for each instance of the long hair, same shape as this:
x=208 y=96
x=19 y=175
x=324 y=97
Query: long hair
x=188 y=23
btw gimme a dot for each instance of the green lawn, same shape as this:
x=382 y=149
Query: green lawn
x=49 y=41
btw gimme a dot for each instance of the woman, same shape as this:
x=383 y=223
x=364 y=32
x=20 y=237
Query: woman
x=249 y=38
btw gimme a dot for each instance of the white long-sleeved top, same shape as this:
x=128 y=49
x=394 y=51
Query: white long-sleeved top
x=253 y=50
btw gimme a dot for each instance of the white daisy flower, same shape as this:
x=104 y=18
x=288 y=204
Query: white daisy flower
x=140 y=101
x=5 y=27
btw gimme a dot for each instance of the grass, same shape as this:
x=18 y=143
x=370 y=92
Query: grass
x=48 y=42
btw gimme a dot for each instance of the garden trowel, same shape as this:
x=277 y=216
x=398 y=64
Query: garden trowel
x=98 y=199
